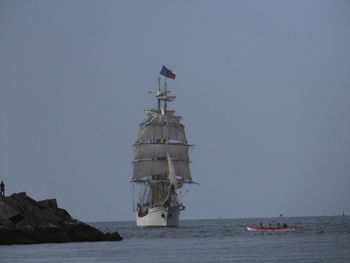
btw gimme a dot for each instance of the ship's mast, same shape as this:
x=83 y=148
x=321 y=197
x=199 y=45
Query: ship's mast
x=158 y=93
x=162 y=96
x=166 y=94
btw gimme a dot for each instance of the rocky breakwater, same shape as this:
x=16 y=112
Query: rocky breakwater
x=26 y=221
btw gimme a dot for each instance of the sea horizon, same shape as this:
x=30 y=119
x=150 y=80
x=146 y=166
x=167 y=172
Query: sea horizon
x=221 y=218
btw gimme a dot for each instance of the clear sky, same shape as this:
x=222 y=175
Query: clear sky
x=263 y=88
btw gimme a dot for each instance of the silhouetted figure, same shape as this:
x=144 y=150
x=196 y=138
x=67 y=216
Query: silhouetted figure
x=2 y=188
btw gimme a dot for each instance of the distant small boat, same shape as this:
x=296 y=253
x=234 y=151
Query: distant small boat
x=269 y=228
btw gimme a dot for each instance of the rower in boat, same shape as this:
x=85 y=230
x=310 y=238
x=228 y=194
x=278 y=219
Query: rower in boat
x=261 y=227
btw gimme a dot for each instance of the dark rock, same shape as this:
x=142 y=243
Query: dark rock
x=16 y=218
x=49 y=203
x=26 y=221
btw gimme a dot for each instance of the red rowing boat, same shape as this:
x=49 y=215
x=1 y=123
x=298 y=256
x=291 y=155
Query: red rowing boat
x=269 y=228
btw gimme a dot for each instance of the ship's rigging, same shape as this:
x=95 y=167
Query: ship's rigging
x=161 y=158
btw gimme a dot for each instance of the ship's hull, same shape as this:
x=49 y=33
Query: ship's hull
x=159 y=217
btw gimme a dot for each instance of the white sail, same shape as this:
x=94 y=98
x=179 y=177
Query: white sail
x=153 y=151
x=172 y=174
x=155 y=133
x=160 y=125
x=146 y=168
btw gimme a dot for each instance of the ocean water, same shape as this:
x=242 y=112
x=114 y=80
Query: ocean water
x=320 y=239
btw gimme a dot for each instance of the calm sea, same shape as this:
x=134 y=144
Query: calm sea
x=321 y=239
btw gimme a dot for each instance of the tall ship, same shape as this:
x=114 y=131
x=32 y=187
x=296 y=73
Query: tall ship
x=161 y=163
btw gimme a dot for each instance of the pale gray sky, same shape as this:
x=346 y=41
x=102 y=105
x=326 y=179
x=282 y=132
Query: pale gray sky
x=263 y=87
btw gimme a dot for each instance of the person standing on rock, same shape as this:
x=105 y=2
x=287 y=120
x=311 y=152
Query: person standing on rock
x=2 y=188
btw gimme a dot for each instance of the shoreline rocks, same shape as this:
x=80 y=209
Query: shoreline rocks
x=26 y=221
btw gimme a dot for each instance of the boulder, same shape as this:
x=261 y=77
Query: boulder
x=26 y=221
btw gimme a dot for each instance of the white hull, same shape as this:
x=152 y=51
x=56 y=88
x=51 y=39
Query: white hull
x=159 y=217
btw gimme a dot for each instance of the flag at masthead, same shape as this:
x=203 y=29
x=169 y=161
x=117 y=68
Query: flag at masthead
x=167 y=73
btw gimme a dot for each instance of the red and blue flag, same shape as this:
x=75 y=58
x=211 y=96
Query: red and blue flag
x=167 y=73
